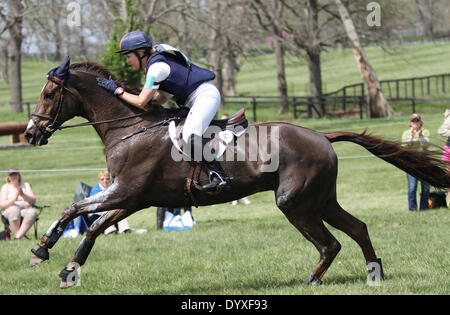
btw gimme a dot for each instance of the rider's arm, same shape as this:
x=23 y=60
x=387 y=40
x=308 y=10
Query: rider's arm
x=140 y=100
x=157 y=72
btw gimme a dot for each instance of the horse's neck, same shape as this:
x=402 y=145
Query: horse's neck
x=100 y=106
x=114 y=109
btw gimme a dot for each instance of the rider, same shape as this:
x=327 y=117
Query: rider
x=173 y=77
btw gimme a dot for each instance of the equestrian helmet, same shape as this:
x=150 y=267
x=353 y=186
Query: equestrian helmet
x=133 y=41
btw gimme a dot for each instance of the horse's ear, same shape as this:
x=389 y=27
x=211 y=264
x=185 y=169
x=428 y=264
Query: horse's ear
x=61 y=71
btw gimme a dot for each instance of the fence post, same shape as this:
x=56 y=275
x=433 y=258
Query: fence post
x=254 y=108
x=360 y=100
x=443 y=83
x=344 y=100
x=309 y=104
x=397 y=88
x=28 y=109
x=294 y=105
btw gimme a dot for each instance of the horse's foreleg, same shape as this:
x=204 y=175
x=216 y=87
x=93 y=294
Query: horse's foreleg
x=48 y=240
x=69 y=275
x=97 y=203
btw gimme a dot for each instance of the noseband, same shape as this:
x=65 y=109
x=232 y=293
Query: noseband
x=53 y=126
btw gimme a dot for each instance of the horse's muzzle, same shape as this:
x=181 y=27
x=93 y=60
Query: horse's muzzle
x=35 y=136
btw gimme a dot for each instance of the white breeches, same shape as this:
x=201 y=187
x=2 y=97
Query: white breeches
x=204 y=103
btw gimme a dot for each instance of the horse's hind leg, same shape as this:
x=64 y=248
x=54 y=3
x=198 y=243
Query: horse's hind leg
x=357 y=230
x=315 y=231
x=82 y=252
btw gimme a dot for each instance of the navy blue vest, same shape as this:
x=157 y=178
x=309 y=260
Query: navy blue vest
x=182 y=80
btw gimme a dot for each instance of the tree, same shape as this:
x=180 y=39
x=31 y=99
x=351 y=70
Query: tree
x=13 y=24
x=378 y=105
x=4 y=56
x=308 y=27
x=116 y=62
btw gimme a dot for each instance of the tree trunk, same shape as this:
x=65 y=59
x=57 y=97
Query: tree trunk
x=15 y=31
x=215 y=57
x=378 y=105
x=281 y=78
x=4 y=57
x=315 y=81
x=229 y=68
x=313 y=59
x=56 y=12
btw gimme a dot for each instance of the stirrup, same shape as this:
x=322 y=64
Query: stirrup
x=216 y=182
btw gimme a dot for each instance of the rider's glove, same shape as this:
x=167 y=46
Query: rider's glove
x=107 y=84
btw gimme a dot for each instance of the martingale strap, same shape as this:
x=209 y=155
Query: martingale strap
x=192 y=182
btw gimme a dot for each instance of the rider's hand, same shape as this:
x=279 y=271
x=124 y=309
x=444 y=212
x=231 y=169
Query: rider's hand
x=107 y=84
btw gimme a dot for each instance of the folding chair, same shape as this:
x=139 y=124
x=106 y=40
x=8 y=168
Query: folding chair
x=7 y=229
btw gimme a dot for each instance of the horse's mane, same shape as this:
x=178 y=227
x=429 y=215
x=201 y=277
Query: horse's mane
x=98 y=70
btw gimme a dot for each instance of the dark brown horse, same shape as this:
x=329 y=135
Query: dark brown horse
x=145 y=174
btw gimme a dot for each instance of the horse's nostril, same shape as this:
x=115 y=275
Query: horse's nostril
x=28 y=135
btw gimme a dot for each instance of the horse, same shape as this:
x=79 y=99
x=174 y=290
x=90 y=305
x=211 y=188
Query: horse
x=144 y=175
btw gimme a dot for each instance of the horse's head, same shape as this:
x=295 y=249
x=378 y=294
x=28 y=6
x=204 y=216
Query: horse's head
x=56 y=105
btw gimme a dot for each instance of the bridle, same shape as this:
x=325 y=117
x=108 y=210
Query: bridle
x=48 y=130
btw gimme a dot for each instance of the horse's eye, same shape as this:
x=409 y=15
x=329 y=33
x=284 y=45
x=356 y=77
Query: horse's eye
x=49 y=95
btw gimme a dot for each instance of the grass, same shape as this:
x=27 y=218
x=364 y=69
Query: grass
x=235 y=250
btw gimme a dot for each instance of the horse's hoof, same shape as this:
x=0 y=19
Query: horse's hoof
x=312 y=280
x=39 y=254
x=70 y=276
x=35 y=260
x=64 y=285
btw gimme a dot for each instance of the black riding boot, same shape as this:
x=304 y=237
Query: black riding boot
x=218 y=180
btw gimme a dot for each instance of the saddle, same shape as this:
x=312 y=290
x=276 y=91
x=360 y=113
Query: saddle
x=235 y=120
x=225 y=131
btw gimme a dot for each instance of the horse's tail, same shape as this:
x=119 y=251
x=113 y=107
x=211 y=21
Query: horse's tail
x=425 y=165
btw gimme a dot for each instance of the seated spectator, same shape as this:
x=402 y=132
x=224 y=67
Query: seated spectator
x=86 y=220
x=16 y=200
x=103 y=183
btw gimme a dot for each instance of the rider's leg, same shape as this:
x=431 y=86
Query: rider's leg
x=204 y=106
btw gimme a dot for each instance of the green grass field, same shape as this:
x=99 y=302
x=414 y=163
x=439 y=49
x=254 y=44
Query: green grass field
x=234 y=250
x=241 y=249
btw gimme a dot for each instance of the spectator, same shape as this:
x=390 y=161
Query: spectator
x=85 y=221
x=16 y=200
x=417 y=136
x=244 y=200
x=444 y=130
x=103 y=182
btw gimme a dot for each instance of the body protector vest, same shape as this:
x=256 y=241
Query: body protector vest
x=184 y=76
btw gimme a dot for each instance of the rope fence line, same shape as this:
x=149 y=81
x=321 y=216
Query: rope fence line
x=103 y=169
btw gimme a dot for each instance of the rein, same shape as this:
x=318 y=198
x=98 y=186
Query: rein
x=101 y=121
x=53 y=126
